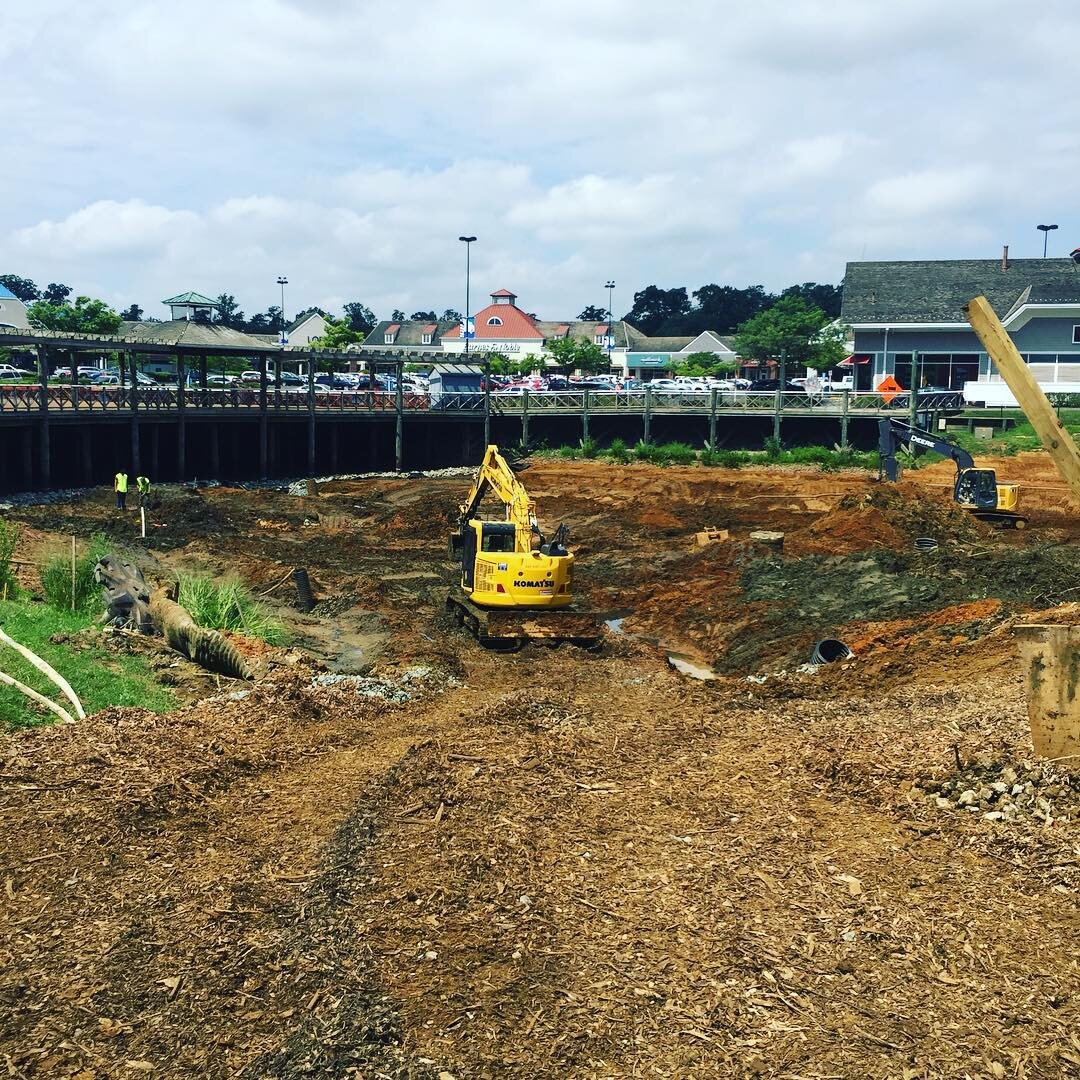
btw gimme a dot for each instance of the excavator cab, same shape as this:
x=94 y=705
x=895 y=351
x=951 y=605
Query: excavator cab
x=978 y=490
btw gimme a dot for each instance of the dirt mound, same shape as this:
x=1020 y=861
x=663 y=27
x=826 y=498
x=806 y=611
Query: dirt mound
x=886 y=517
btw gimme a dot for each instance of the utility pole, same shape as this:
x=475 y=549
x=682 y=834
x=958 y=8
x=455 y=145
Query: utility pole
x=610 y=286
x=283 y=281
x=468 y=242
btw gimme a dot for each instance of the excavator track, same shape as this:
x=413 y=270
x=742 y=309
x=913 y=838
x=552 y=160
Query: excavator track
x=509 y=629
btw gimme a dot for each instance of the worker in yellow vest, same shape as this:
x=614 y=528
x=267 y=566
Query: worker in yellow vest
x=142 y=485
x=120 y=486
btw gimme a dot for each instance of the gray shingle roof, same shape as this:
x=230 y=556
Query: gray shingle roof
x=925 y=291
x=186 y=332
x=410 y=332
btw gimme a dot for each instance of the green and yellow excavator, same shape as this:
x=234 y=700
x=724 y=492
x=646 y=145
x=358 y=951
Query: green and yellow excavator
x=515 y=584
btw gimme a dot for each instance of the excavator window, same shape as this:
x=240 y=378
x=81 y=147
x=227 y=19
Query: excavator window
x=498 y=538
x=978 y=488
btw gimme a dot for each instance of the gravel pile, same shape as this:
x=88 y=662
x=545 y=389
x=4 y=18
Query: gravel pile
x=1008 y=793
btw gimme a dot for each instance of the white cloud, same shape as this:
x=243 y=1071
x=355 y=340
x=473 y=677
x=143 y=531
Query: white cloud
x=929 y=192
x=347 y=143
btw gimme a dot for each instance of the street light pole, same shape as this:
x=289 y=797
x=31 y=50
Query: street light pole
x=468 y=242
x=282 y=281
x=610 y=286
x=1046 y=230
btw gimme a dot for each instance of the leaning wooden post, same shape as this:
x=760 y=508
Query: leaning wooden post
x=1051 y=659
x=776 y=413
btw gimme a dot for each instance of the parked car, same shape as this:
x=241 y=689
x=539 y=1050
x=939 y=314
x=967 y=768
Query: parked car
x=9 y=371
x=760 y=386
x=107 y=378
x=334 y=381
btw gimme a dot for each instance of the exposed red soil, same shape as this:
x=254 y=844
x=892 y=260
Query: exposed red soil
x=558 y=863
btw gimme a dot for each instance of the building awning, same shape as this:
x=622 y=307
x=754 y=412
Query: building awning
x=860 y=358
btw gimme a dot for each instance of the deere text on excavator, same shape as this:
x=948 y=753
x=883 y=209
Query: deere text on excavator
x=515 y=584
x=976 y=490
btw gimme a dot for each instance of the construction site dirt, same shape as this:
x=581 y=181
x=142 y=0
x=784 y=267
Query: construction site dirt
x=398 y=854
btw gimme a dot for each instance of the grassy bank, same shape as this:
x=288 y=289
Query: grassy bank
x=100 y=678
x=679 y=453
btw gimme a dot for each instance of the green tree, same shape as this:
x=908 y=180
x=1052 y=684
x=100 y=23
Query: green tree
x=360 y=318
x=578 y=354
x=704 y=365
x=397 y=315
x=309 y=311
x=827 y=297
x=592 y=313
x=22 y=287
x=56 y=294
x=653 y=307
x=85 y=316
x=228 y=312
x=503 y=365
x=795 y=329
x=426 y=316
x=132 y=314
x=450 y=316
x=339 y=333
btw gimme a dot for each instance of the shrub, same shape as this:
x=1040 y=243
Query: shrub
x=677 y=453
x=228 y=605
x=56 y=583
x=773 y=447
x=9 y=538
x=569 y=453
x=618 y=452
x=726 y=459
x=590 y=448
x=647 y=452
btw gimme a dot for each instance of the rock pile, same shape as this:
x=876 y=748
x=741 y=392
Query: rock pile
x=1007 y=793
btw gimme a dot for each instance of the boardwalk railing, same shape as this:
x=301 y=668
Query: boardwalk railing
x=27 y=399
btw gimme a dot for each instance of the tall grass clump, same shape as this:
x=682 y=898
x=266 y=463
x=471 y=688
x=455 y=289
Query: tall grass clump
x=228 y=605
x=726 y=459
x=677 y=453
x=9 y=539
x=618 y=452
x=590 y=448
x=56 y=584
x=773 y=447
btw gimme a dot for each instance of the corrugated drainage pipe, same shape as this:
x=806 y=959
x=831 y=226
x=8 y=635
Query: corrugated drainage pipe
x=925 y=543
x=303 y=589
x=829 y=650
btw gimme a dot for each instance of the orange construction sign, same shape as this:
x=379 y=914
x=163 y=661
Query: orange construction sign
x=888 y=388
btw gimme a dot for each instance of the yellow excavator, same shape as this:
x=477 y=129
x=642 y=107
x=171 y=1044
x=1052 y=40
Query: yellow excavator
x=515 y=583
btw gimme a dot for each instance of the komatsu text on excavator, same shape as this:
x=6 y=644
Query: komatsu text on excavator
x=515 y=583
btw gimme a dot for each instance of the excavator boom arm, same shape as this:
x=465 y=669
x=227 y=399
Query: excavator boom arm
x=893 y=433
x=496 y=476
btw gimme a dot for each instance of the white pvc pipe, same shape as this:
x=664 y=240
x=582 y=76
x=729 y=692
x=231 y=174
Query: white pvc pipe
x=48 y=671
x=64 y=715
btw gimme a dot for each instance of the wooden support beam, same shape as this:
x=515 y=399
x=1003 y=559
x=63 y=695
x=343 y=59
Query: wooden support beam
x=1051 y=659
x=1029 y=395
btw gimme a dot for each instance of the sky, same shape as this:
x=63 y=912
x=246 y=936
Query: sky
x=153 y=148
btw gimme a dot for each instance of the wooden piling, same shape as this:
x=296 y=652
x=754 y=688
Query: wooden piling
x=1051 y=659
